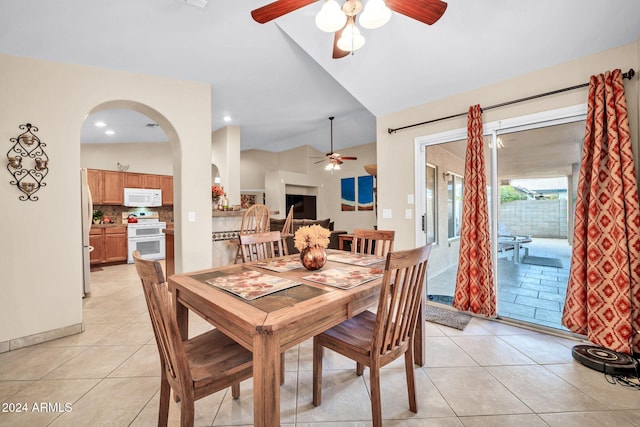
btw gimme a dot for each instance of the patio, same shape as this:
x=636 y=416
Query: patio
x=526 y=292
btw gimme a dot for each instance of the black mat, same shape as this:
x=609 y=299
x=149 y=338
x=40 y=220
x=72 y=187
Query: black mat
x=447 y=317
x=539 y=260
x=442 y=299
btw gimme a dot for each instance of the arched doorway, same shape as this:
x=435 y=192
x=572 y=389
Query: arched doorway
x=127 y=144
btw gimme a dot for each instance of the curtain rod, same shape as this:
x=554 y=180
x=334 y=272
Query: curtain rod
x=628 y=75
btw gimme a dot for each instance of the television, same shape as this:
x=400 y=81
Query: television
x=304 y=207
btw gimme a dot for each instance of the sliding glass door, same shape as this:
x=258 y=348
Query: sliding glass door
x=537 y=174
x=533 y=167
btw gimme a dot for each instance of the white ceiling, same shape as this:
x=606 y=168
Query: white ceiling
x=278 y=82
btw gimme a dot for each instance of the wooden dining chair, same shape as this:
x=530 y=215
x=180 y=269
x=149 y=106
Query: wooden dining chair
x=255 y=247
x=376 y=339
x=254 y=220
x=372 y=242
x=193 y=368
x=259 y=246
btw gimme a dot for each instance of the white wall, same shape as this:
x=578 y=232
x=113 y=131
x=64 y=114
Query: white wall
x=152 y=157
x=395 y=152
x=41 y=259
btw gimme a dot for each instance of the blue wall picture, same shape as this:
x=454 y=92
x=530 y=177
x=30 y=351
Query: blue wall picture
x=348 y=198
x=365 y=193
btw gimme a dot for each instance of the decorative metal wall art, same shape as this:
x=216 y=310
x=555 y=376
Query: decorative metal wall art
x=28 y=177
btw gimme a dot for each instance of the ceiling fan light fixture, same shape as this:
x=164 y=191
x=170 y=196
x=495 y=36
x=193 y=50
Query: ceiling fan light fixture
x=375 y=14
x=331 y=18
x=351 y=39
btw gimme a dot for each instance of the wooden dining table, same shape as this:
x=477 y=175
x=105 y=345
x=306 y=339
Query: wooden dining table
x=273 y=323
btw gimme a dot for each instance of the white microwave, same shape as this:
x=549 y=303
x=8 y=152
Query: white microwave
x=142 y=197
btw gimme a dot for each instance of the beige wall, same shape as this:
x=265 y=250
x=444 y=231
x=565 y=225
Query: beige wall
x=296 y=171
x=153 y=158
x=41 y=259
x=254 y=164
x=225 y=154
x=395 y=152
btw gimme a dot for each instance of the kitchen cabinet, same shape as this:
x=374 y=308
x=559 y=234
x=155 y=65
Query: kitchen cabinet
x=150 y=181
x=166 y=185
x=109 y=244
x=96 y=185
x=113 y=188
x=133 y=180
x=96 y=240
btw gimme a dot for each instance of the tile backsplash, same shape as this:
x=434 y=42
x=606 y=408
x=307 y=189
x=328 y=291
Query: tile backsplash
x=115 y=212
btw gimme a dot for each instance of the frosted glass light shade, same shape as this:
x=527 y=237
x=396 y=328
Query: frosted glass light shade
x=331 y=18
x=375 y=14
x=351 y=39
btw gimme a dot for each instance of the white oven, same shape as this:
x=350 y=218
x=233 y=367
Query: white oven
x=148 y=238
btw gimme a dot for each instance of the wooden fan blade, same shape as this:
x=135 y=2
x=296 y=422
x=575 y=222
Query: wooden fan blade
x=427 y=11
x=338 y=161
x=277 y=9
x=319 y=161
x=338 y=53
x=348 y=158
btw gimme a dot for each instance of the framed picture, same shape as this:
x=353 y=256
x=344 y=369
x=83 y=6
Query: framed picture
x=365 y=193
x=247 y=200
x=348 y=197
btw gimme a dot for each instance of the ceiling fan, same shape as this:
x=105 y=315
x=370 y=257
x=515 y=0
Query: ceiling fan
x=334 y=159
x=342 y=20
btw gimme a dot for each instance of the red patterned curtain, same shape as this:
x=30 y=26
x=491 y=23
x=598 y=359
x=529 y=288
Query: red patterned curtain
x=475 y=289
x=603 y=293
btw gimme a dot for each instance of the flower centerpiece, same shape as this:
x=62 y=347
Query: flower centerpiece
x=216 y=192
x=311 y=241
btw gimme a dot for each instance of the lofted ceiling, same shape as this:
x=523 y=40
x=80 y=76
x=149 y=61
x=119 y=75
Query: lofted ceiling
x=277 y=81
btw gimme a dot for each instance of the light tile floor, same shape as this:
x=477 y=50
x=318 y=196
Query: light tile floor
x=490 y=374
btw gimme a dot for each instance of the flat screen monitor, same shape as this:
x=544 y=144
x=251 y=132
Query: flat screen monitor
x=304 y=207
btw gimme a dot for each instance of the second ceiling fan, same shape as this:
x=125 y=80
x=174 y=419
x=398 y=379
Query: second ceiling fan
x=334 y=159
x=342 y=20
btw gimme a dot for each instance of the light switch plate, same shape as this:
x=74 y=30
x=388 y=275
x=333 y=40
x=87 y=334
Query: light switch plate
x=386 y=213
x=192 y=217
x=410 y=199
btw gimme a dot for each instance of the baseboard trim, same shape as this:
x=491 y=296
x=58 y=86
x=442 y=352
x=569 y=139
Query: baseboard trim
x=41 y=337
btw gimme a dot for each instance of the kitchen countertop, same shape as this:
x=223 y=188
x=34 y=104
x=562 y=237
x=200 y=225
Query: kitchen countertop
x=108 y=225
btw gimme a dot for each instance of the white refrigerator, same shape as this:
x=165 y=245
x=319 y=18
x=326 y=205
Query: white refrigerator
x=87 y=217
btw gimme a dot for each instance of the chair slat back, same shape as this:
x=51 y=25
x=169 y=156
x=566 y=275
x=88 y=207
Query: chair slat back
x=165 y=327
x=400 y=297
x=259 y=246
x=372 y=242
x=255 y=219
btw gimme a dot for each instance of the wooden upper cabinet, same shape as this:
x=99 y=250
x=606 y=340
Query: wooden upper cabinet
x=151 y=181
x=113 y=191
x=133 y=180
x=96 y=185
x=166 y=185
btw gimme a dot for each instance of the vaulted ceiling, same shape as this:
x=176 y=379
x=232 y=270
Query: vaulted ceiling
x=277 y=81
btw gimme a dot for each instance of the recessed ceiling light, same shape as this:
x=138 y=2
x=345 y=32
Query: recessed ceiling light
x=109 y=132
x=227 y=118
x=100 y=124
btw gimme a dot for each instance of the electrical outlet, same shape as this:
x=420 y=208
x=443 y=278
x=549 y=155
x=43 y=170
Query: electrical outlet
x=192 y=217
x=408 y=213
x=386 y=213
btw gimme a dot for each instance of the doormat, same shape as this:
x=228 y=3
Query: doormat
x=539 y=260
x=451 y=318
